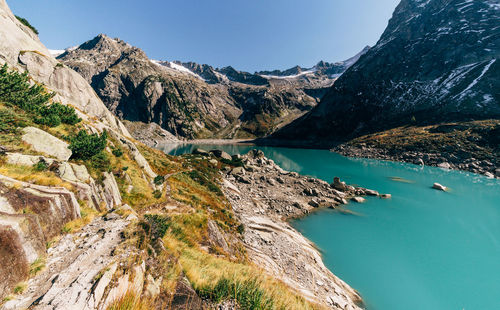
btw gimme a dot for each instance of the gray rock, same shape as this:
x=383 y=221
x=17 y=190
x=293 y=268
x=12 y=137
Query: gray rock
x=337 y=184
x=221 y=154
x=370 y=192
x=44 y=142
x=238 y=171
x=444 y=165
x=358 y=199
x=489 y=175
x=314 y=203
x=198 y=151
x=439 y=187
x=386 y=196
x=497 y=172
x=3 y=150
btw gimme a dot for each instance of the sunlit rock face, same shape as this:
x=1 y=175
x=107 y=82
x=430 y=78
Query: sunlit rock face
x=436 y=61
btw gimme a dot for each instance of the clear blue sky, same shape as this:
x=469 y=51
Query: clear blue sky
x=250 y=35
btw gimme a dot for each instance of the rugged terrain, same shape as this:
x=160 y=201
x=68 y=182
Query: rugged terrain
x=92 y=219
x=470 y=146
x=198 y=101
x=437 y=61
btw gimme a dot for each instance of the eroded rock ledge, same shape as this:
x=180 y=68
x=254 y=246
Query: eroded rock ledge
x=264 y=197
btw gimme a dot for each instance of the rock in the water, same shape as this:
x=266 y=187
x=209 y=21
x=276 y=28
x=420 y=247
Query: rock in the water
x=44 y=142
x=358 y=199
x=221 y=154
x=439 y=187
x=337 y=184
x=371 y=192
x=386 y=196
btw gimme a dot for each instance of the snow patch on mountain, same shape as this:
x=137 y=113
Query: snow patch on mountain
x=176 y=67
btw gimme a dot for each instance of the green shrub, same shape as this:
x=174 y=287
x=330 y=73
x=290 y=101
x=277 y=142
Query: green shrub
x=157 y=194
x=240 y=229
x=41 y=165
x=247 y=294
x=85 y=146
x=16 y=90
x=159 y=179
x=27 y=24
x=100 y=161
x=66 y=114
x=117 y=152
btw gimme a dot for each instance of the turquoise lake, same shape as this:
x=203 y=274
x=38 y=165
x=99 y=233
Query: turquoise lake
x=422 y=249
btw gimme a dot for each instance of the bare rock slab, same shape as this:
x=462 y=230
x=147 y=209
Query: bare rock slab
x=44 y=142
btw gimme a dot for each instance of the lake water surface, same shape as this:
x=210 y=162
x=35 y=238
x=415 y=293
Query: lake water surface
x=422 y=249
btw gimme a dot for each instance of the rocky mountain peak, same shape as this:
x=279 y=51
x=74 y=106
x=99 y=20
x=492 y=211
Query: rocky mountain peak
x=436 y=61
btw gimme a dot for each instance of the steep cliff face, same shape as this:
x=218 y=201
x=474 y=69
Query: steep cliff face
x=436 y=61
x=20 y=48
x=197 y=101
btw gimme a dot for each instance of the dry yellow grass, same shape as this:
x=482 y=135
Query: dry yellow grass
x=87 y=215
x=204 y=271
x=130 y=301
x=28 y=174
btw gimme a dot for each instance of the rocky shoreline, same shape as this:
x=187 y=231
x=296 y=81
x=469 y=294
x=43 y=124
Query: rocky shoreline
x=265 y=197
x=442 y=160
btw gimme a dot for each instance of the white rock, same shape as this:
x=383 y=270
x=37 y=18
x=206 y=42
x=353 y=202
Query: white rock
x=44 y=142
x=439 y=187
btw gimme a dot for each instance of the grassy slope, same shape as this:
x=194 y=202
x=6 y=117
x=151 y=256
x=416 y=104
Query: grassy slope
x=476 y=139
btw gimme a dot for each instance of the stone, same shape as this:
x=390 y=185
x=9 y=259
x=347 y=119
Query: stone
x=44 y=142
x=214 y=162
x=358 y=199
x=497 y=172
x=439 y=187
x=3 y=150
x=386 y=196
x=337 y=184
x=238 y=171
x=370 y=192
x=185 y=297
x=221 y=154
x=314 y=203
x=444 y=165
x=198 y=151
x=489 y=175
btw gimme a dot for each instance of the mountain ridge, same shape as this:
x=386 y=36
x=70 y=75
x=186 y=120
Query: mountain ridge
x=192 y=100
x=435 y=62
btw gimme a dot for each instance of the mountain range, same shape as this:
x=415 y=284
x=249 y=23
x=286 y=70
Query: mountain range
x=193 y=100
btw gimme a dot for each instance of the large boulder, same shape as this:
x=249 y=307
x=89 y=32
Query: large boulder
x=44 y=142
x=221 y=154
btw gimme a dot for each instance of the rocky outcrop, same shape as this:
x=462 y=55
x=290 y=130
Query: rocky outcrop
x=103 y=196
x=436 y=61
x=20 y=48
x=195 y=101
x=44 y=142
x=29 y=216
x=150 y=134
x=79 y=271
x=264 y=197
